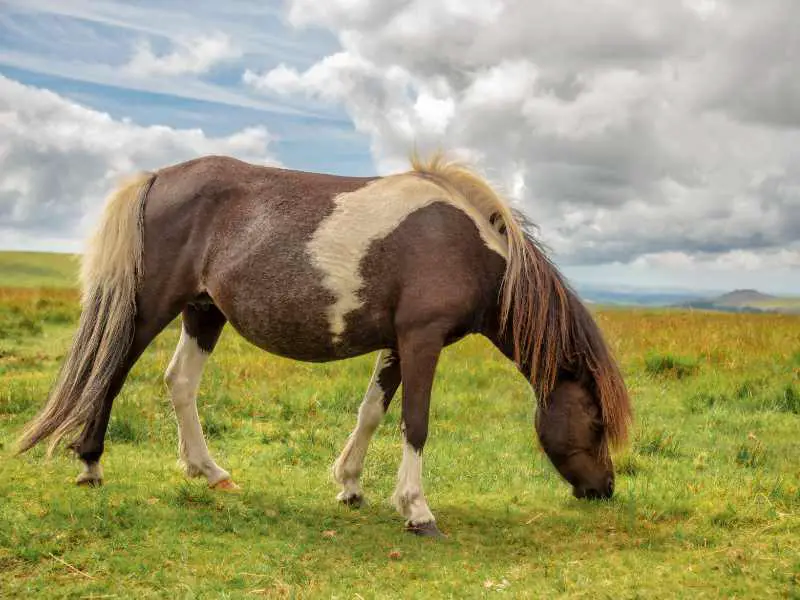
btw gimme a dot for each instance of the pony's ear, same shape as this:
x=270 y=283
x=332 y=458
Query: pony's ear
x=496 y=220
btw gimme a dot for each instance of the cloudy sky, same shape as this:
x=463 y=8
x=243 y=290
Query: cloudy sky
x=656 y=144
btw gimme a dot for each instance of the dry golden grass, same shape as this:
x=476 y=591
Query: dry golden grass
x=726 y=340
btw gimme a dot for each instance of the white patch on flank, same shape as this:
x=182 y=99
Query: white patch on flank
x=347 y=468
x=183 y=379
x=369 y=214
x=408 y=496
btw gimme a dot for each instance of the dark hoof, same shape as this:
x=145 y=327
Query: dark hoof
x=356 y=501
x=428 y=529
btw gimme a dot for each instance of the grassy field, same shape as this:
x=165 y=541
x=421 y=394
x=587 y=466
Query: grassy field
x=787 y=304
x=707 y=503
x=38 y=269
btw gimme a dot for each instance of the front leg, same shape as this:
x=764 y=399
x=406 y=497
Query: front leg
x=419 y=353
x=347 y=468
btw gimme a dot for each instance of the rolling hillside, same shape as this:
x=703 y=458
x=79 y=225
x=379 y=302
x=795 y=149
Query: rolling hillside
x=746 y=300
x=38 y=269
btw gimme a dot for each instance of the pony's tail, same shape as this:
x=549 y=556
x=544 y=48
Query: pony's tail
x=110 y=272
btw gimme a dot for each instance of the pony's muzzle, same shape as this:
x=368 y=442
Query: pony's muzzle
x=600 y=492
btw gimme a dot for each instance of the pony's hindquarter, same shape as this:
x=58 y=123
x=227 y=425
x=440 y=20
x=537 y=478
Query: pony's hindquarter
x=110 y=274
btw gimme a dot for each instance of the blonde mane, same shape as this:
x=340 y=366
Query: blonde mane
x=465 y=182
x=550 y=329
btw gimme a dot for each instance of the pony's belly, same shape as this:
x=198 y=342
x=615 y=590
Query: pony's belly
x=305 y=347
x=304 y=335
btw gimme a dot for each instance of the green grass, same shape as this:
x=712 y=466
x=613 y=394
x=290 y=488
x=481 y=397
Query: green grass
x=670 y=365
x=38 y=269
x=708 y=491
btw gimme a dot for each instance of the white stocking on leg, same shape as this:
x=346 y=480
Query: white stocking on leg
x=348 y=467
x=183 y=379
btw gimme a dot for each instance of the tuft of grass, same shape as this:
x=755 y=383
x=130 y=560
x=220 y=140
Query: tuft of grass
x=125 y=430
x=191 y=494
x=786 y=400
x=629 y=464
x=705 y=401
x=215 y=427
x=747 y=390
x=670 y=365
x=752 y=453
x=728 y=518
x=658 y=442
x=56 y=310
x=15 y=323
x=19 y=397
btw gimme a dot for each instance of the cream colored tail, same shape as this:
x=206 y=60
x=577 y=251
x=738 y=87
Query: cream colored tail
x=110 y=272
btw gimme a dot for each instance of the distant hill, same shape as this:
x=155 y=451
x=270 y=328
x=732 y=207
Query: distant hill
x=746 y=300
x=632 y=297
x=743 y=298
x=38 y=269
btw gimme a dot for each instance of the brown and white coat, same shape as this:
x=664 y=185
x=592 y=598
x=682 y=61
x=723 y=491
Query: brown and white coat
x=318 y=268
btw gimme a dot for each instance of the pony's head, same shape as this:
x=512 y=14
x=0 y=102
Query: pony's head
x=540 y=323
x=571 y=431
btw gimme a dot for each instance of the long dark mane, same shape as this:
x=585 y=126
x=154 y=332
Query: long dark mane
x=552 y=332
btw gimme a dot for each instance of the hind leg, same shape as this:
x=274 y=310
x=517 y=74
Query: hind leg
x=91 y=443
x=347 y=468
x=202 y=325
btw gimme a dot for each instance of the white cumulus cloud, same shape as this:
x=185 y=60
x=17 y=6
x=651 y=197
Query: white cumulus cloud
x=632 y=132
x=193 y=55
x=59 y=159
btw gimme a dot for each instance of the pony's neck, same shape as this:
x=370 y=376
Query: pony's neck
x=503 y=341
